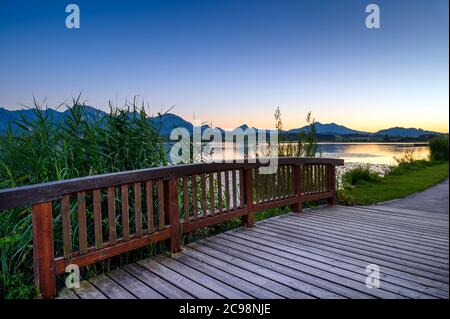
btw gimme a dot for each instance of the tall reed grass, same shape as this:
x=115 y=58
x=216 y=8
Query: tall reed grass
x=42 y=149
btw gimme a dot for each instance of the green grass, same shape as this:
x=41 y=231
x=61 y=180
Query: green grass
x=402 y=181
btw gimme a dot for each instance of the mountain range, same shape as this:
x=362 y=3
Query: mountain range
x=166 y=122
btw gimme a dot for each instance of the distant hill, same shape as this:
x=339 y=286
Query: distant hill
x=404 y=132
x=166 y=122
x=329 y=129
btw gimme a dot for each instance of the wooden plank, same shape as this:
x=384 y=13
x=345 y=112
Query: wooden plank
x=241 y=188
x=203 y=199
x=417 y=214
x=273 y=188
x=227 y=191
x=234 y=188
x=172 y=213
x=149 y=202
x=157 y=283
x=96 y=197
x=27 y=195
x=66 y=226
x=219 y=192
x=43 y=249
x=88 y=291
x=110 y=288
x=316 y=196
x=112 y=216
x=185 y=199
x=178 y=280
x=203 y=279
x=330 y=260
x=385 y=230
x=389 y=275
x=130 y=283
x=294 y=245
x=380 y=210
x=410 y=243
x=125 y=212
x=194 y=196
x=161 y=218
x=413 y=242
x=341 y=273
x=138 y=209
x=333 y=184
x=256 y=193
x=293 y=287
x=82 y=224
x=213 y=220
x=409 y=223
x=108 y=251
x=245 y=286
x=351 y=233
x=278 y=203
x=322 y=284
x=264 y=282
x=66 y=293
x=249 y=219
x=212 y=209
x=357 y=240
x=432 y=233
x=427 y=262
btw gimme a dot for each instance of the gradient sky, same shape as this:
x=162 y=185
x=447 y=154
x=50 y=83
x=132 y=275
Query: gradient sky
x=234 y=61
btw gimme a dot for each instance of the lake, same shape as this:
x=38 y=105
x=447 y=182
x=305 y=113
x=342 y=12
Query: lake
x=353 y=152
x=374 y=153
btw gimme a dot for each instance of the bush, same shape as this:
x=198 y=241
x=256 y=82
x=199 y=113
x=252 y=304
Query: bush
x=344 y=197
x=439 y=148
x=359 y=176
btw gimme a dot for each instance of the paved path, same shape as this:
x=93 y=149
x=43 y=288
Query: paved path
x=433 y=200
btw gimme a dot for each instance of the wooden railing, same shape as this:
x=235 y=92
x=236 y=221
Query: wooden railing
x=85 y=220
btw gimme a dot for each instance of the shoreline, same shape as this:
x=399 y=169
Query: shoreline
x=379 y=169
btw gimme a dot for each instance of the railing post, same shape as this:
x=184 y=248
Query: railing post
x=332 y=177
x=172 y=213
x=43 y=250
x=297 y=207
x=249 y=219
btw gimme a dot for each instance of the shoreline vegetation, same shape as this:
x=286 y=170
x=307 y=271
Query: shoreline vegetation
x=42 y=151
x=370 y=184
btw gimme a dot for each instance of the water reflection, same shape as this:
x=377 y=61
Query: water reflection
x=374 y=153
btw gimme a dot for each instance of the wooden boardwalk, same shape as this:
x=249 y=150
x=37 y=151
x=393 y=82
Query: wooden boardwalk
x=320 y=253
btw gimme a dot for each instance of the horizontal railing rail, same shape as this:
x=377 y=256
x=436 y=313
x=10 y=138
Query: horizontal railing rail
x=86 y=220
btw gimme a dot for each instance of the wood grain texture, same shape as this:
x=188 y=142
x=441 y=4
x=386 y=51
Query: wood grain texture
x=43 y=251
x=149 y=205
x=138 y=209
x=125 y=212
x=322 y=253
x=66 y=226
x=82 y=223
x=97 y=202
x=112 y=215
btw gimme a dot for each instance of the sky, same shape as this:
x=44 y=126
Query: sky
x=231 y=62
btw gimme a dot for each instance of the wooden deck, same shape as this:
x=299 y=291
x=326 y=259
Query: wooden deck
x=321 y=253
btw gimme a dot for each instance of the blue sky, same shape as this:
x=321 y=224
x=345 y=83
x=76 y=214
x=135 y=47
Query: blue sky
x=235 y=61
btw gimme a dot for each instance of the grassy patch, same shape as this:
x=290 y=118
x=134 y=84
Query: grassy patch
x=402 y=181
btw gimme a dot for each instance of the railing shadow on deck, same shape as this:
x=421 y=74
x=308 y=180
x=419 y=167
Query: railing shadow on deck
x=156 y=204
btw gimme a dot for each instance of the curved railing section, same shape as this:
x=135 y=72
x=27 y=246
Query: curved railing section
x=85 y=220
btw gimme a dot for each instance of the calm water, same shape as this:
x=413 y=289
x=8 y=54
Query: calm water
x=374 y=153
